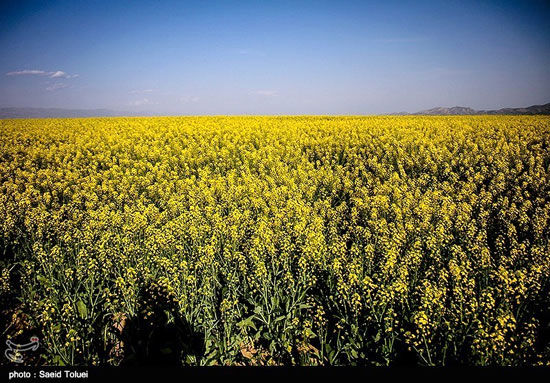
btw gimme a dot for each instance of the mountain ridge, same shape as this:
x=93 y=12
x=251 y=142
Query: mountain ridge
x=464 y=110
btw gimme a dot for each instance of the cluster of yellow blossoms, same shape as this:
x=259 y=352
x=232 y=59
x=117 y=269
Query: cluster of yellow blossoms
x=279 y=240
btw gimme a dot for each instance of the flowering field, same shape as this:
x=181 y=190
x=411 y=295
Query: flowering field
x=277 y=240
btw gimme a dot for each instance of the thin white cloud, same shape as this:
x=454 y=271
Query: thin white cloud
x=56 y=86
x=58 y=73
x=265 y=93
x=35 y=72
x=25 y=72
x=61 y=74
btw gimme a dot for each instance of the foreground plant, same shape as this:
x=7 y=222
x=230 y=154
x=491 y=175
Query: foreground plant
x=278 y=240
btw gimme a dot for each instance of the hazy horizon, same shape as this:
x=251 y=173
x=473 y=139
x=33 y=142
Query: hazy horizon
x=302 y=57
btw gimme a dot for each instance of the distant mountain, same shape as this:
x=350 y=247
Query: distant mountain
x=60 y=113
x=533 y=109
x=462 y=110
x=448 y=111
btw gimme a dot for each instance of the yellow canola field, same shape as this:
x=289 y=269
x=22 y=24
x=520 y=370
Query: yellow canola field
x=277 y=240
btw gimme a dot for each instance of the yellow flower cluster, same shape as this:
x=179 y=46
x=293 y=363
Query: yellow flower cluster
x=311 y=240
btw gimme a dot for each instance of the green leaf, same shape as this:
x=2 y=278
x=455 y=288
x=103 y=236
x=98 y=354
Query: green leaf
x=57 y=361
x=310 y=333
x=82 y=310
x=248 y=322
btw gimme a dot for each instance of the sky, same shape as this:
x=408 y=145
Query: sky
x=279 y=57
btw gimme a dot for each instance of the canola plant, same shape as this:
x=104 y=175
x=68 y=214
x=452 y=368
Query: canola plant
x=308 y=240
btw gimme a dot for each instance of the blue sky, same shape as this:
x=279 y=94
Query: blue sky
x=280 y=57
